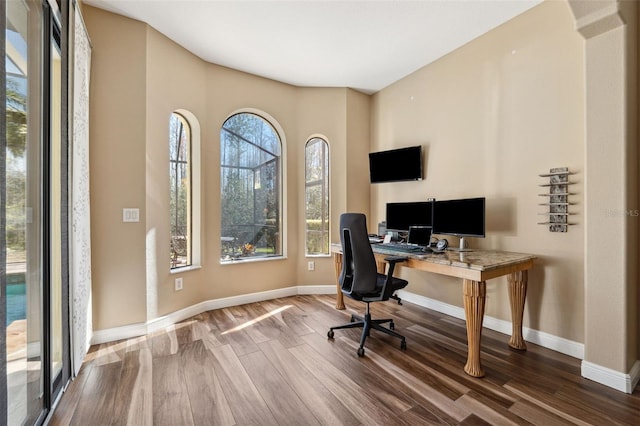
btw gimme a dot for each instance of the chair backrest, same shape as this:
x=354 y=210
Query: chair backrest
x=359 y=272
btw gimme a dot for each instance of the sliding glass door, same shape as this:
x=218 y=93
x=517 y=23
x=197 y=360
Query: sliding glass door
x=23 y=209
x=54 y=152
x=32 y=213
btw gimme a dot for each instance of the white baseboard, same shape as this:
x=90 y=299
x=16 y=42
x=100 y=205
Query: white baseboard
x=140 y=329
x=317 y=289
x=624 y=382
x=118 y=333
x=558 y=344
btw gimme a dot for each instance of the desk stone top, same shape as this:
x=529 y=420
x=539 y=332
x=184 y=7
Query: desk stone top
x=476 y=259
x=481 y=260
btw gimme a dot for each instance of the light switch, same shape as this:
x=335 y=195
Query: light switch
x=131 y=215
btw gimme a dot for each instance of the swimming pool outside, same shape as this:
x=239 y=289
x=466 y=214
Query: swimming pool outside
x=16 y=302
x=16 y=297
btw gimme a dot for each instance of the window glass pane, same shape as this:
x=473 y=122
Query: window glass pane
x=55 y=302
x=23 y=210
x=180 y=190
x=317 y=196
x=250 y=188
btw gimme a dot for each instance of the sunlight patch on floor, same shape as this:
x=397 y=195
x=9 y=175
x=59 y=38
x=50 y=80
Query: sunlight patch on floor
x=258 y=319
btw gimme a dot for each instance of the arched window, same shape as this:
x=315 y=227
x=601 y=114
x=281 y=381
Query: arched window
x=316 y=155
x=250 y=186
x=180 y=191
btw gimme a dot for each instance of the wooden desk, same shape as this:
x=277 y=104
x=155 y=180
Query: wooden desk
x=474 y=267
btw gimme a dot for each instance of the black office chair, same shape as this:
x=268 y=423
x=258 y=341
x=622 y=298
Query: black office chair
x=360 y=280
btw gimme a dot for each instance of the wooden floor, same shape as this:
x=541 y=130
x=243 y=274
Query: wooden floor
x=271 y=363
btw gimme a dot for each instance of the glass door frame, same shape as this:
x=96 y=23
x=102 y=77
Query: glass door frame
x=55 y=32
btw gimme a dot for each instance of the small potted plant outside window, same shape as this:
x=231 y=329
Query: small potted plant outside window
x=247 y=249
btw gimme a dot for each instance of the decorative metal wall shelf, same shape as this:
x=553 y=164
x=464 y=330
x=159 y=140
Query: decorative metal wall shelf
x=558 y=199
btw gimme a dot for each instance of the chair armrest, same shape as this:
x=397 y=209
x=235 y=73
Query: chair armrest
x=396 y=259
x=392 y=260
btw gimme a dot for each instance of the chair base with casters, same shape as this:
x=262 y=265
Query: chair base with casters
x=367 y=324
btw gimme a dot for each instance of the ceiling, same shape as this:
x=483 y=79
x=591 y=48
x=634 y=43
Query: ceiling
x=365 y=45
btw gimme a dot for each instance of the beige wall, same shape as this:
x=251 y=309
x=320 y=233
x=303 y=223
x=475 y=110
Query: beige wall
x=358 y=141
x=491 y=117
x=174 y=80
x=321 y=109
x=610 y=32
x=117 y=161
x=229 y=91
x=152 y=77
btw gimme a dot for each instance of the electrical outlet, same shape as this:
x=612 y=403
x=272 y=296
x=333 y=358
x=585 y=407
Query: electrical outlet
x=178 y=284
x=311 y=265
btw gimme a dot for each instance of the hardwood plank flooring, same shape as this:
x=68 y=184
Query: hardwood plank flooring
x=270 y=363
x=208 y=402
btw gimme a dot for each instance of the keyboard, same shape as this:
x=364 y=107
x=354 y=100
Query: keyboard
x=404 y=247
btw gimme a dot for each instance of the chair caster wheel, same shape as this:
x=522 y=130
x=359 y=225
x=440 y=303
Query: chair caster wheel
x=360 y=352
x=352 y=319
x=403 y=345
x=392 y=326
x=330 y=334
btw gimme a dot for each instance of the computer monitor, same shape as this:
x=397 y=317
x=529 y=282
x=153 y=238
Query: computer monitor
x=461 y=218
x=400 y=216
x=419 y=235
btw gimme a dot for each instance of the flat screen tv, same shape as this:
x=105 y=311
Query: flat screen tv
x=461 y=218
x=401 y=216
x=396 y=165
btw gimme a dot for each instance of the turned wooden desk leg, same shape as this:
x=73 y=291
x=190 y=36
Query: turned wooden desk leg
x=517 y=296
x=337 y=259
x=474 y=298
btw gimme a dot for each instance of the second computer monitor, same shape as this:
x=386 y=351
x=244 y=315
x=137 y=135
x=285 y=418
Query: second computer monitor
x=400 y=216
x=462 y=218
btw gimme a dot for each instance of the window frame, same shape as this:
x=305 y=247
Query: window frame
x=194 y=193
x=325 y=183
x=281 y=185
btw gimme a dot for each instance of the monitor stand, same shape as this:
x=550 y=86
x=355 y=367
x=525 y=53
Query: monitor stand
x=461 y=247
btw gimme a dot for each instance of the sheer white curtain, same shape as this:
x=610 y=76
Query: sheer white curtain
x=80 y=238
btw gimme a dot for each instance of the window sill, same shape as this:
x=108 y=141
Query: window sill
x=250 y=260
x=184 y=269
x=315 y=256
